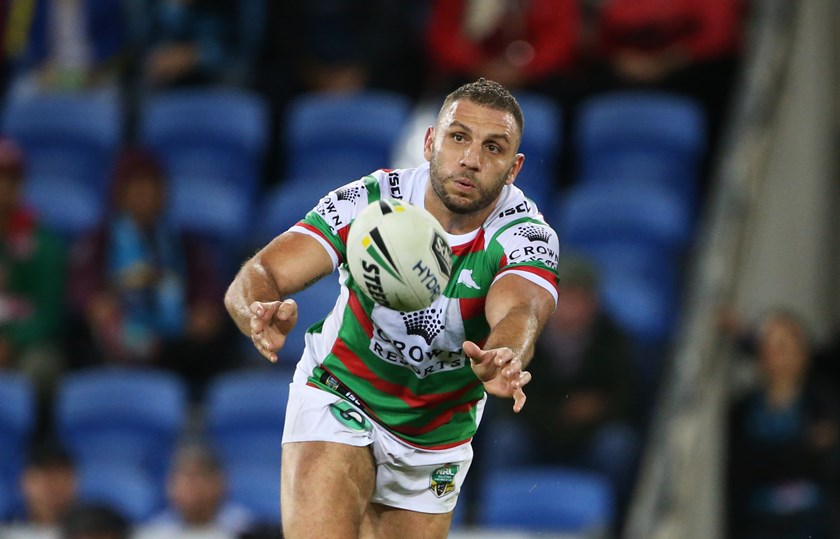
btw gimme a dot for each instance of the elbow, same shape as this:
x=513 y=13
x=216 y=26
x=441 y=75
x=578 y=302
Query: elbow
x=229 y=300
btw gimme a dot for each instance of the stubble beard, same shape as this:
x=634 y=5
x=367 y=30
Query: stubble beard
x=487 y=195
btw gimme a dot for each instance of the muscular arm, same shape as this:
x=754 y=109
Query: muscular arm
x=516 y=311
x=288 y=264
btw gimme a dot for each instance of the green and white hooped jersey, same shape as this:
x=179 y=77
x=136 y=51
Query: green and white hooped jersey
x=408 y=369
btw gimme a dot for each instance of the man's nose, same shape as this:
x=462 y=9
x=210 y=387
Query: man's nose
x=470 y=159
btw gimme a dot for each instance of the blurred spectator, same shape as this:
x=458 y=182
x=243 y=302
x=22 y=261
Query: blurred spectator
x=825 y=356
x=783 y=442
x=5 y=54
x=649 y=41
x=691 y=47
x=146 y=293
x=65 y=45
x=521 y=44
x=196 y=42
x=583 y=401
x=48 y=485
x=95 y=521
x=32 y=282
x=197 y=492
x=348 y=45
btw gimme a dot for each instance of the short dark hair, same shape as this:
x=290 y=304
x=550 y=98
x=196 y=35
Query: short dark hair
x=489 y=94
x=199 y=452
x=12 y=158
x=575 y=270
x=95 y=520
x=48 y=453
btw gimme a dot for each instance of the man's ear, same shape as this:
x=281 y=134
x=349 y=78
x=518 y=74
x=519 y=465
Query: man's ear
x=428 y=143
x=514 y=170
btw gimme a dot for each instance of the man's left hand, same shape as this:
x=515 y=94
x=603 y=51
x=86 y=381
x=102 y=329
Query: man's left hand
x=500 y=370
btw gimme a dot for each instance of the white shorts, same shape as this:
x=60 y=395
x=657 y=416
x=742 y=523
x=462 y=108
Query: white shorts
x=407 y=477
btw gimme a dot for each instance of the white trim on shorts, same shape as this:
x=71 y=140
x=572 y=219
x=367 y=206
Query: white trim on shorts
x=404 y=473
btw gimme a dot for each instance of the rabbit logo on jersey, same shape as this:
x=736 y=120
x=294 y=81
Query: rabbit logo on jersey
x=417 y=340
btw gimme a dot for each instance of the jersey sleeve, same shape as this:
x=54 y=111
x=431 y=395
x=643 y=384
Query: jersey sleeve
x=329 y=221
x=530 y=249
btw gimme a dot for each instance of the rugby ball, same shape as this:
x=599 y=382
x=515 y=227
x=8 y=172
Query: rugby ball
x=398 y=255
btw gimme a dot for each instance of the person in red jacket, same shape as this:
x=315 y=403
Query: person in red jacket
x=147 y=293
x=520 y=44
x=650 y=41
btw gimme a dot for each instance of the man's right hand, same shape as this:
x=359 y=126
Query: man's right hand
x=271 y=322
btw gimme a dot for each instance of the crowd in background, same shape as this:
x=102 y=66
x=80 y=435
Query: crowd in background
x=137 y=292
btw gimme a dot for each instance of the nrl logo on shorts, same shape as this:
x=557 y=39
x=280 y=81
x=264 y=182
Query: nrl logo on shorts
x=442 y=480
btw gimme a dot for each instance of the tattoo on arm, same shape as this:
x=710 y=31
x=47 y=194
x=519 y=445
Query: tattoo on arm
x=314 y=280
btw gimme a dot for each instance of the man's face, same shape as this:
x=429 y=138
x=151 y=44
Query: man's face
x=196 y=491
x=10 y=192
x=576 y=309
x=472 y=155
x=783 y=350
x=49 y=492
x=144 y=198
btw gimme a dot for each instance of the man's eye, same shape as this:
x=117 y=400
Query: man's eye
x=493 y=148
x=457 y=137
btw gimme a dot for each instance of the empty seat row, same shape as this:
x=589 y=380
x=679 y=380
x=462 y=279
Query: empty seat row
x=121 y=426
x=638 y=153
x=213 y=142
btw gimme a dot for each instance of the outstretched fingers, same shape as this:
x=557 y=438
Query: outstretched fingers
x=270 y=323
x=518 y=394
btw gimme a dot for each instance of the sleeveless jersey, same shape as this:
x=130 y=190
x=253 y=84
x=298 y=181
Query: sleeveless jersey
x=408 y=369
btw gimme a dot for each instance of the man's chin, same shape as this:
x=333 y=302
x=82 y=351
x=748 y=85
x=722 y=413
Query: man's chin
x=459 y=204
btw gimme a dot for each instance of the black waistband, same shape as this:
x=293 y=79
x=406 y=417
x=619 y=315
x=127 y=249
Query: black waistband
x=332 y=382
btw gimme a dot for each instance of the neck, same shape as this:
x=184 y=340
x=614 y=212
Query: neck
x=452 y=222
x=781 y=393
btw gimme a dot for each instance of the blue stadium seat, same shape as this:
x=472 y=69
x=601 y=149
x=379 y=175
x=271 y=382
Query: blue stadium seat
x=632 y=135
x=129 y=417
x=212 y=142
x=17 y=423
x=244 y=416
x=645 y=307
x=545 y=499
x=70 y=141
x=622 y=257
x=256 y=487
x=130 y=490
x=282 y=206
x=642 y=213
x=314 y=303
x=334 y=139
x=541 y=144
x=7 y=501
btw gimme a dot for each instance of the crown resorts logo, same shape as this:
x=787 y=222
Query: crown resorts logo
x=425 y=323
x=533 y=233
x=350 y=194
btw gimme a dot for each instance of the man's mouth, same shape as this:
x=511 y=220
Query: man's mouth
x=464 y=183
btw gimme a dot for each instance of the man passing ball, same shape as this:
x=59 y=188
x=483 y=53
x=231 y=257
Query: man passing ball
x=384 y=403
